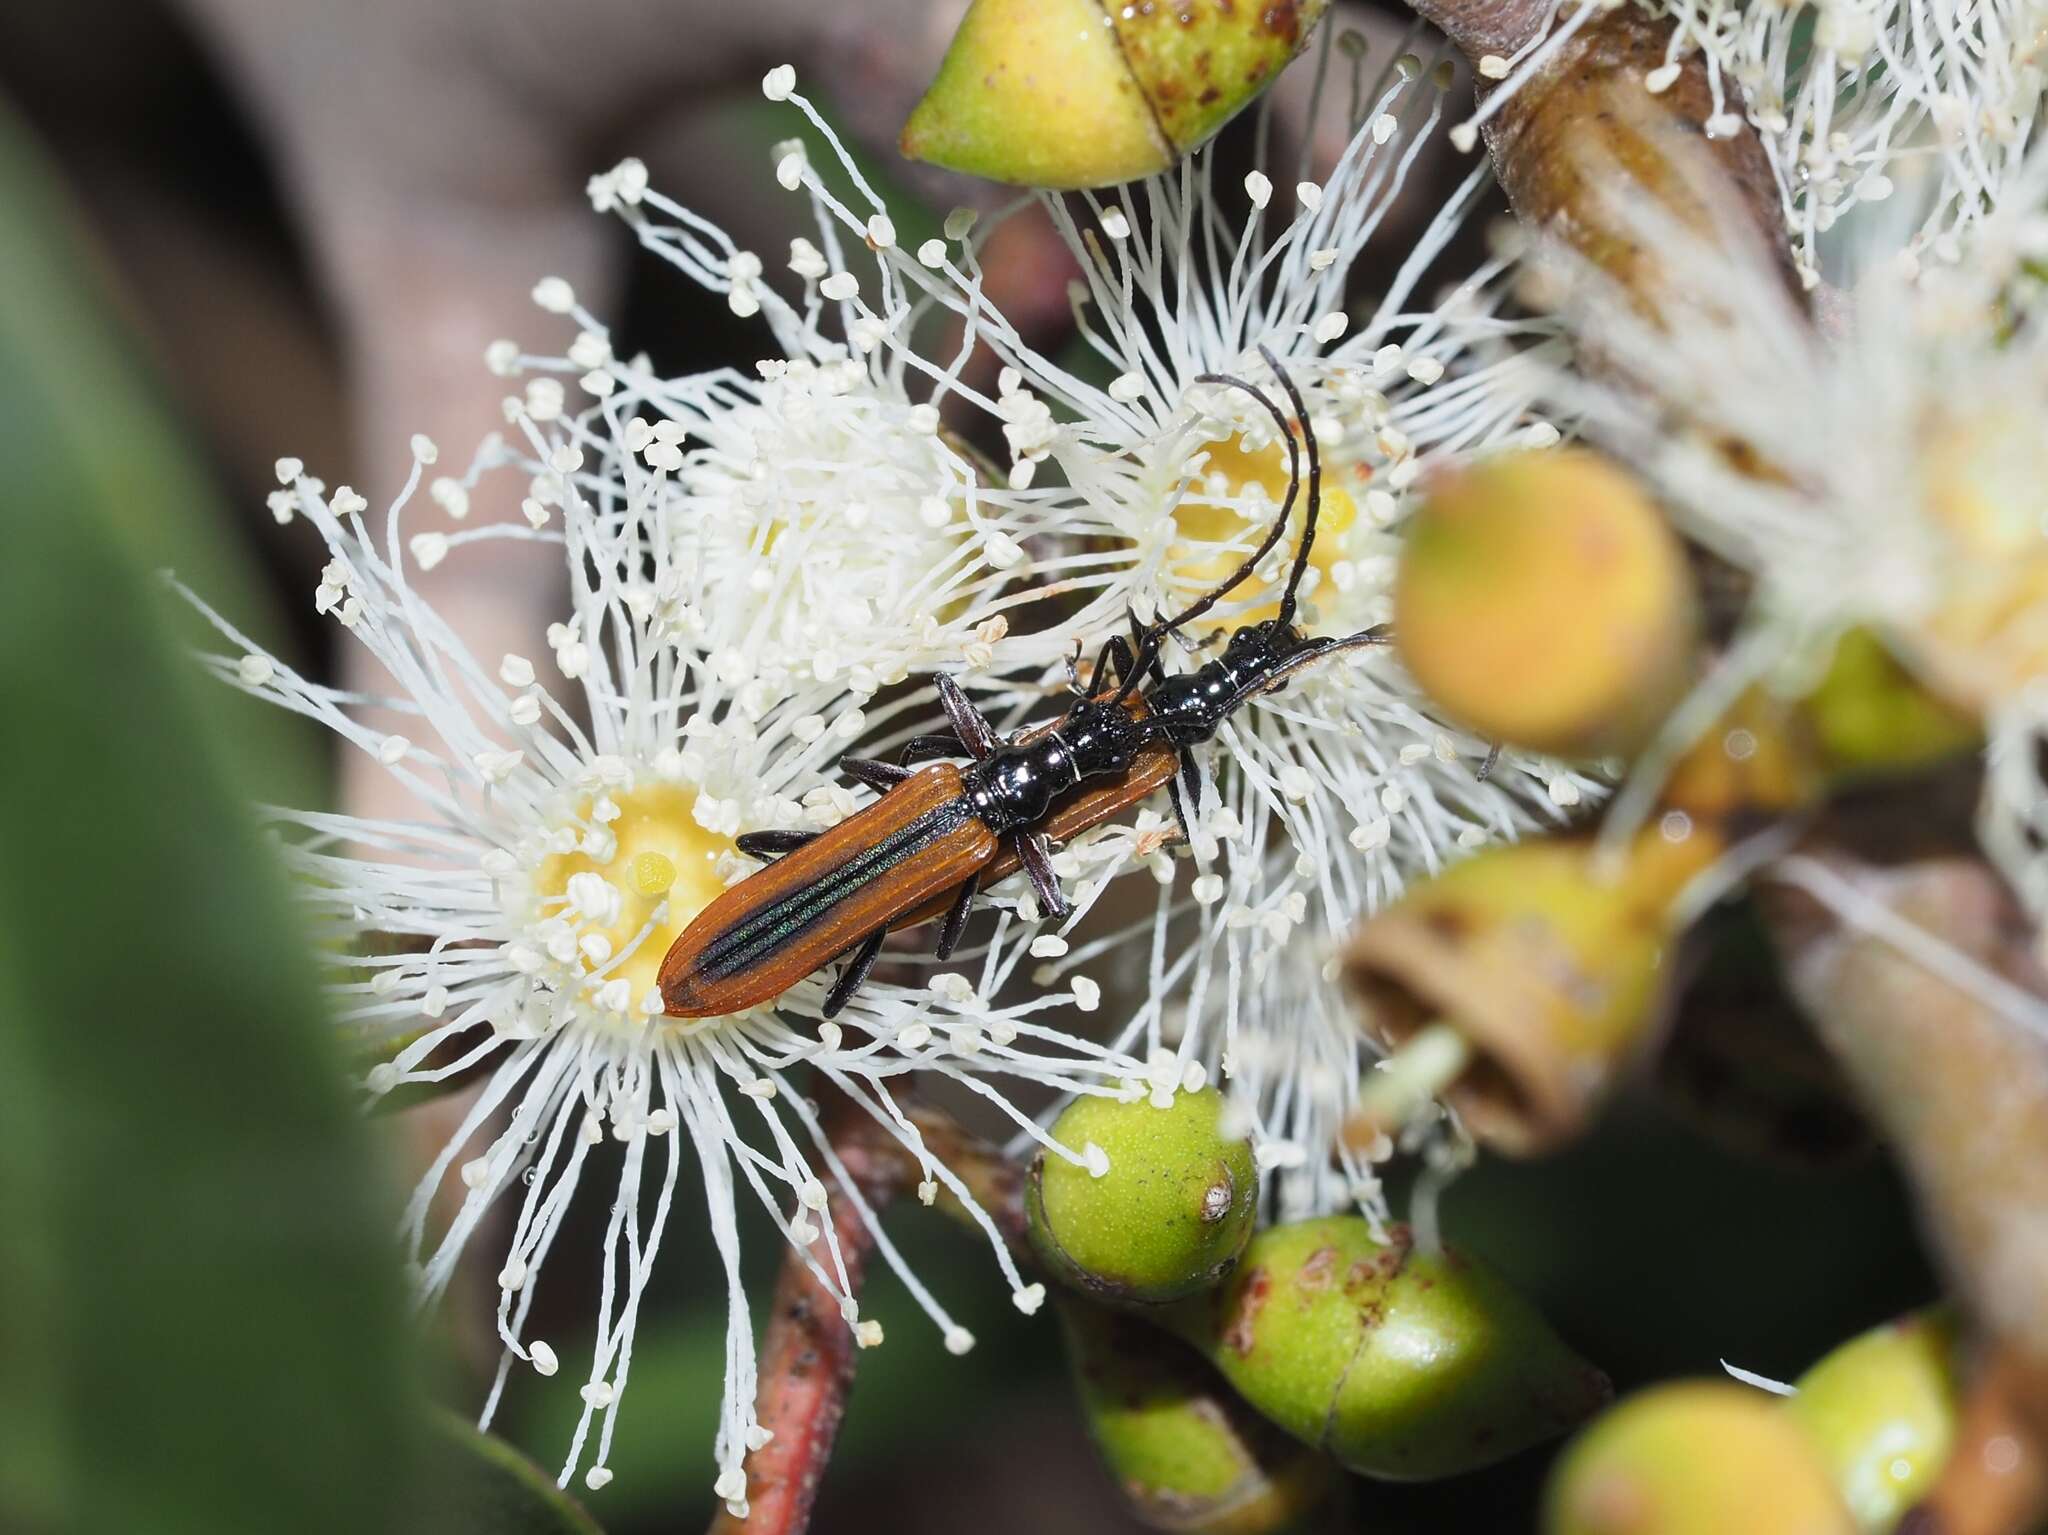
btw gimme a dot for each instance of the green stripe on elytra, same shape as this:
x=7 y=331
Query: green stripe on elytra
x=760 y=933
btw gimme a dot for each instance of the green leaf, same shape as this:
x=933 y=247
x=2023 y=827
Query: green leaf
x=200 y=1316
x=73 y=392
x=477 y=1484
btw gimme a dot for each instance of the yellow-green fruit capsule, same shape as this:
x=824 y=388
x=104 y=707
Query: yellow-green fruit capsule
x=1161 y=1206
x=1187 y=1453
x=1758 y=759
x=1882 y=1408
x=1399 y=1364
x=1543 y=600
x=1073 y=93
x=1872 y=717
x=1702 y=1458
x=1549 y=964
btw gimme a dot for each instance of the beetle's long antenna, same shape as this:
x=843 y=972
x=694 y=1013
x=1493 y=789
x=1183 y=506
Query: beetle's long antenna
x=1315 y=491
x=1148 y=642
x=1147 y=648
x=1273 y=534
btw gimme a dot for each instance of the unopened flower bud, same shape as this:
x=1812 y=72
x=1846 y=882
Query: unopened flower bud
x=1543 y=600
x=1758 y=758
x=1872 y=717
x=1161 y=1208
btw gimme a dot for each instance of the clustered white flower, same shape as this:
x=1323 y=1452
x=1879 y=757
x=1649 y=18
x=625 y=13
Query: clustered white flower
x=1882 y=470
x=1327 y=797
x=567 y=831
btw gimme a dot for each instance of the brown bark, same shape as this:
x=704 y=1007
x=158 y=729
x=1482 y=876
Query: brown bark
x=1953 y=1080
x=1587 y=118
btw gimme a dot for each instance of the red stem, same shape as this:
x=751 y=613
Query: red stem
x=807 y=1354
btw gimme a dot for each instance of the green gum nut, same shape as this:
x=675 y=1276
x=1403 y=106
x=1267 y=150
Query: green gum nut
x=1160 y=1208
x=1882 y=1409
x=1695 y=1458
x=1398 y=1364
x=1873 y=718
x=1076 y=93
x=1187 y=1454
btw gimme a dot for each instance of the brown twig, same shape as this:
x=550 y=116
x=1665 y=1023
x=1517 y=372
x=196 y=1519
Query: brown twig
x=1560 y=141
x=808 y=1351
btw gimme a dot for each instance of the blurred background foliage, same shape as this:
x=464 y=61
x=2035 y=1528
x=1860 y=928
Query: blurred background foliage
x=201 y=1325
x=201 y=1318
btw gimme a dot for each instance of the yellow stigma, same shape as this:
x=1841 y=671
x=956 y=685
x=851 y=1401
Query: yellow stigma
x=653 y=874
x=1203 y=555
x=1985 y=480
x=661 y=854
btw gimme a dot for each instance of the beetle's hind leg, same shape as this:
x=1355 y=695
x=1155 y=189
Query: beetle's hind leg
x=1036 y=856
x=856 y=971
x=956 y=919
x=771 y=844
x=1184 y=793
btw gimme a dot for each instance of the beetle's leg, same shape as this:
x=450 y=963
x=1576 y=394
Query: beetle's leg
x=1492 y=761
x=1073 y=660
x=1185 y=794
x=974 y=730
x=1115 y=661
x=882 y=776
x=922 y=748
x=956 y=919
x=856 y=971
x=771 y=844
x=1036 y=857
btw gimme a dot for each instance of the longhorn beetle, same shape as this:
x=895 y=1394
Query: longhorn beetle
x=940 y=833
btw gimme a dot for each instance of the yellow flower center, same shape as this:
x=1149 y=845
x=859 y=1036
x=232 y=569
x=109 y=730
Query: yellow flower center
x=1986 y=491
x=1202 y=556
x=661 y=854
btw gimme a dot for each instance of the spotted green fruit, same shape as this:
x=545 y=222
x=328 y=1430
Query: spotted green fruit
x=1696 y=1458
x=1882 y=1409
x=1169 y=1212
x=1076 y=93
x=1187 y=1454
x=1399 y=1364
